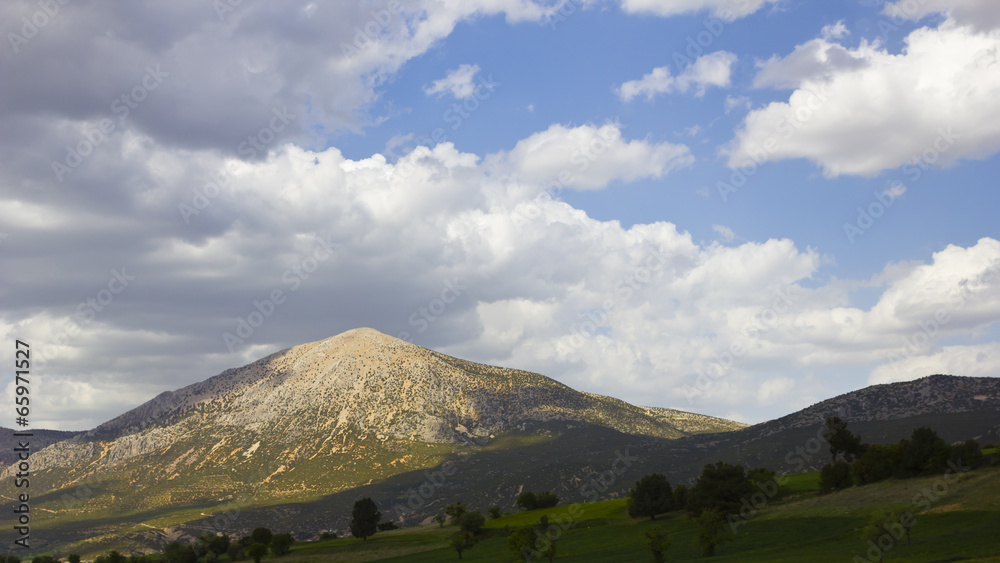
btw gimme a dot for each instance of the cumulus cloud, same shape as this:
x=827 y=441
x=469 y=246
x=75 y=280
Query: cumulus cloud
x=713 y=69
x=460 y=82
x=982 y=360
x=982 y=14
x=864 y=110
x=639 y=312
x=589 y=157
x=724 y=9
x=224 y=73
x=725 y=233
x=816 y=60
x=210 y=196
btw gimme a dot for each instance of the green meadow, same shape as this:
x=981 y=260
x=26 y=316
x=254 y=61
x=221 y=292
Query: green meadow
x=960 y=521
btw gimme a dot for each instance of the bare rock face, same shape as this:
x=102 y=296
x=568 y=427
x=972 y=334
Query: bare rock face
x=358 y=385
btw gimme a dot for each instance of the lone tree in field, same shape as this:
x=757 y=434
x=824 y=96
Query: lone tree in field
x=440 y=519
x=281 y=544
x=364 y=518
x=261 y=535
x=651 y=496
x=711 y=531
x=720 y=487
x=455 y=511
x=471 y=522
x=658 y=541
x=462 y=541
x=257 y=551
x=522 y=542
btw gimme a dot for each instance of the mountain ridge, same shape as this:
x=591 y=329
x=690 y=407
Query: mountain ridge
x=299 y=434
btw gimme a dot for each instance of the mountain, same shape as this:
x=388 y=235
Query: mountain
x=39 y=439
x=311 y=421
x=292 y=440
x=957 y=408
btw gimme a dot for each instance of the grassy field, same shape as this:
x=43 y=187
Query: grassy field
x=960 y=521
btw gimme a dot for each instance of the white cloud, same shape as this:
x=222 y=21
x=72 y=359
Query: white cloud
x=981 y=14
x=459 y=82
x=981 y=360
x=590 y=157
x=713 y=69
x=727 y=10
x=734 y=102
x=814 y=60
x=228 y=71
x=634 y=312
x=834 y=31
x=861 y=111
x=725 y=233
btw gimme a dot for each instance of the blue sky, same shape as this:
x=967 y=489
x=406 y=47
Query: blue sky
x=761 y=203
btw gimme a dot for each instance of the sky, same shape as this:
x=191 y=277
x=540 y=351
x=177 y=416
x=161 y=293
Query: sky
x=733 y=207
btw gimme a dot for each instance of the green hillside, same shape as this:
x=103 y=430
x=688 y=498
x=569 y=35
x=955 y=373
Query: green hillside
x=961 y=524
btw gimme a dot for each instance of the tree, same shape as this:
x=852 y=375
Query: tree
x=842 y=441
x=720 y=487
x=462 y=541
x=549 y=549
x=281 y=544
x=177 y=553
x=877 y=463
x=115 y=557
x=651 y=496
x=531 y=501
x=73 y=558
x=967 y=453
x=527 y=501
x=925 y=452
x=522 y=542
x=471 y=522
x=494 y=512
x=440 y=519
x=680 y=496
x=658 y=540
x=454 y=511
x=760 y=476
x=834 y=477
x=365 y=518
x=711 y=531
x=387 y=525
x=261 y=535
x=235 y=552
x=257 y=551
x=547 y=499
x=217 y=544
